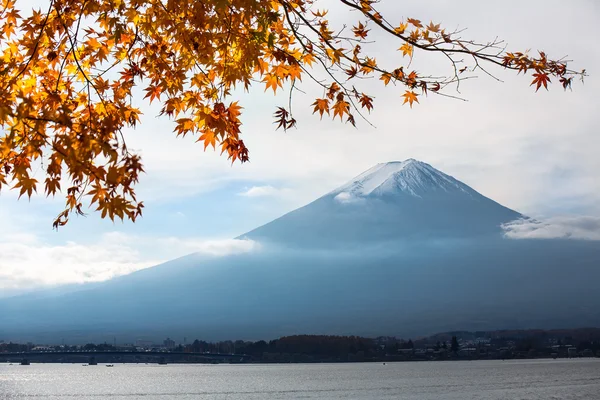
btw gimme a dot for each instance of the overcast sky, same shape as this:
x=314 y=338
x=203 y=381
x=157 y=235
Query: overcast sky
x=536 y=153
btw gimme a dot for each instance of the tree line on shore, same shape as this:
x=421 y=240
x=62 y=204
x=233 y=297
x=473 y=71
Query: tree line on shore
x=531 y=342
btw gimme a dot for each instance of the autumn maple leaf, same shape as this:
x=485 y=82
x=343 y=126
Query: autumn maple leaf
x=433 y=27
x=360 y=31
x=410 y=97
x=340 y=108
x=321 y=106
x=284 y=119
x=366 y=102
x=272 y=81
x=406 y=49
x=415 y=22
x=209 y=138
x=27 y=185
x=334 y=55
x=153 y=92
x=385 y=78
x=234 y=110
x=540 y=79
x=400 y=28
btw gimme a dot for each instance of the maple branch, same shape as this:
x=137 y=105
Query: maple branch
x=123 y=144
x=492 y=58
x=378 y=22
x=330 y=45
x=56 y=148
x=290 y=98
x=227 y=49
x=62 y=65
x=442 y=81
x=79 y=67
x=37 y=42
x=335 y=79
x=71 y=48
x=133 y=43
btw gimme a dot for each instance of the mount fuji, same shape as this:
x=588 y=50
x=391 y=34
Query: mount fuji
x=402 y=249
x=394 y=201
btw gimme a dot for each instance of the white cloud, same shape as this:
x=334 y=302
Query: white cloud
x=570 y=227
x=264 y=191
x=217 y=248
x=28 y=262
x=346 y=198
x=34 y=263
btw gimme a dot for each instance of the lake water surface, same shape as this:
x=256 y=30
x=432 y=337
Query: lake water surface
x=464 y=380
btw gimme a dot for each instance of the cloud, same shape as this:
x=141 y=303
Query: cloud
x=264 y=191
x=571 y=227
x=27 y=262
x=218 y=248
x=34 y=263
x=347 y=198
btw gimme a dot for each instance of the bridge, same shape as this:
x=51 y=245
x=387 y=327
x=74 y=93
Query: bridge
x=93 y=357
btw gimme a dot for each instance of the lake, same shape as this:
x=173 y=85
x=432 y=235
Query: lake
x=482 y=380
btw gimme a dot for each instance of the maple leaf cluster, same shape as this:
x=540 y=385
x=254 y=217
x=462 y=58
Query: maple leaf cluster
x=69 y=75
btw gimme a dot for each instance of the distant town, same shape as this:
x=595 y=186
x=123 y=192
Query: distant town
x=460 y=345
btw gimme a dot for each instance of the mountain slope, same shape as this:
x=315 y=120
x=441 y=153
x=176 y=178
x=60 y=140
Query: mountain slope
x=392 y=201
x=410 y=290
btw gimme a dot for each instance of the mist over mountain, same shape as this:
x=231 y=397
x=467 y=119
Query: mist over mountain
x=402 y=249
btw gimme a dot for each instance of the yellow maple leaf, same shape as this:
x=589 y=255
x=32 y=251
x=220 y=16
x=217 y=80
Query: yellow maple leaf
x=334 y=55
x=400 y=29
x=406 y=49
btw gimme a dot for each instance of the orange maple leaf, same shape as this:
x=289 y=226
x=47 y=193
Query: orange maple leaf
x=234 y=110
x=340 y=108
x=153 y=91
x=410 y=97
x=321 y=106
x=27 y=185
x=209 y=137
x=272 y=81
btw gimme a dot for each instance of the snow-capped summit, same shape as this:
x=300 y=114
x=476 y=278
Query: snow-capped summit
x=410 y=177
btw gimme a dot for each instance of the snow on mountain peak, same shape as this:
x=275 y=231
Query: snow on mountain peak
x=410 y=177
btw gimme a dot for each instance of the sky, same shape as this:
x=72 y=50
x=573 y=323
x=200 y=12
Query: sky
x=536 y=153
